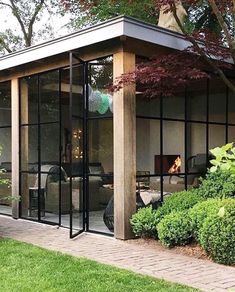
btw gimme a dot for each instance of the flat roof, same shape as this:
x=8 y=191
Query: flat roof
x=116 y=27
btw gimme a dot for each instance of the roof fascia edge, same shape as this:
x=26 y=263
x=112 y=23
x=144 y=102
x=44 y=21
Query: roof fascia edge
x=89 y=36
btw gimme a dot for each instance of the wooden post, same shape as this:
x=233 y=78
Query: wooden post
x=124 y=117
x=15 y=145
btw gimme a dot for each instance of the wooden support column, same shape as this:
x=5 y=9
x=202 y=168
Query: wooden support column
x=15 y=145
x=124 y=117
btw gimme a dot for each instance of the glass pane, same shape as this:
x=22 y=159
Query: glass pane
x=29 y=148
x=101 y=144
x=197 y=101
x=5 y=104
x=78 y=98
x=29 y=196
x=101 y=204
x=148 y=146
x=173 y=183
x=49 y=97
x=196 y=148
x=217 y=136
x=173 y=147
x=173 y=106
x=231 y=134
x=147 y=107
x=217 y=101
x=50 y=144
x=5 y=171
x=231 y=107
x=51 y=182
x=100 y=78
x=193 y=180
x=29 y=100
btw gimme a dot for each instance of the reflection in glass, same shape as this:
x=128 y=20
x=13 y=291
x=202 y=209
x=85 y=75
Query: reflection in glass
x=147 y=145
x=231 y=134
x=5 y=171
x=217 y=136
x=5 y=104
x=231 y=107
x=197 y=101
x=29 y=148
x=49 y=97
x=147 y=107
x=173 y=106
x=217 y=101
x=100 y=79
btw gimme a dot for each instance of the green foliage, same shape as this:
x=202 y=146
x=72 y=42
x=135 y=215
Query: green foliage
x=180 y=201
x=175 y=229
x=144 y=222
x=199 y=213
x=219 y=184
x=94 y=12
x=224 y=158
x=217 y=235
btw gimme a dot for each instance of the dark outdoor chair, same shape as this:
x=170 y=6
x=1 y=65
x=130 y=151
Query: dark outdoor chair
x=108 y=216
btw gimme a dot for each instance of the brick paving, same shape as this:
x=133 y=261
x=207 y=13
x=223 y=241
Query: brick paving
x=152 y=261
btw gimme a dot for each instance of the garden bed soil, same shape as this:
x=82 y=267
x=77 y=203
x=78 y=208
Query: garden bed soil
x=193 y=249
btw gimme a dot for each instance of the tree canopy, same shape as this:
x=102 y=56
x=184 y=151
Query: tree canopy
x=27 y=15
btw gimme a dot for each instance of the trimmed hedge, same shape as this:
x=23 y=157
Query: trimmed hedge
x=217 y=235
x=199 y=213
x=219 y=184
x=144 y=222
x=175 y=229
x=180 y=201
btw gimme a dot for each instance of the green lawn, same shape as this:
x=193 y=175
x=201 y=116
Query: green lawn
x=25 y=268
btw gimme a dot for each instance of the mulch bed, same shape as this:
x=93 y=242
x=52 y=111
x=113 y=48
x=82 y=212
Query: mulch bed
x=193 y=249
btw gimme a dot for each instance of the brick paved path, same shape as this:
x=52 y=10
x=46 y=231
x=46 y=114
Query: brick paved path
x=152 y=261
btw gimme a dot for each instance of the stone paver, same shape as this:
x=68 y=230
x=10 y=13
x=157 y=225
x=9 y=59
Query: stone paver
x=146 y=260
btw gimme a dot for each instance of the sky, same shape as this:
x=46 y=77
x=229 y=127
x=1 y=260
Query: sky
x=58 y=22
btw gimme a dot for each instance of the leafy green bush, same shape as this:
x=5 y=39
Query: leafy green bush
x=224 y=158
x=144 y=222
x=219 y=184
x=202 y=210
x=175 y=229
x=180 y=201
x=217 y=235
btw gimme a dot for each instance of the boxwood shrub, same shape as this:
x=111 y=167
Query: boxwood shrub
x=202 y=210
x=217 y=235
x=144 y=222
x=180 y=201
x=175 y=229
x=219 y=184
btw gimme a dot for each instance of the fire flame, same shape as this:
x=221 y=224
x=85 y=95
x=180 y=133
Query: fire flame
x=176 y=166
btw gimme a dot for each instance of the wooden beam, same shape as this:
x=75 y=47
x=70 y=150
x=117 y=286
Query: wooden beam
x=124 y=115
x=15 y=145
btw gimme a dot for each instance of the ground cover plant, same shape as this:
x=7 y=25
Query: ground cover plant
x=205 y=214
x=25 y=267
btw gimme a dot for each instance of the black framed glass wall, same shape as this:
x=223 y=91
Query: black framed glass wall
x=5 y=148
x=175 y=134
x=40 y=146
x=66 y=145
x=100 y=141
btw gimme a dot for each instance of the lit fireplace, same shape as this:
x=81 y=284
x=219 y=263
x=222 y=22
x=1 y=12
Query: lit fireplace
x=167 y=163
x=175 y=168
